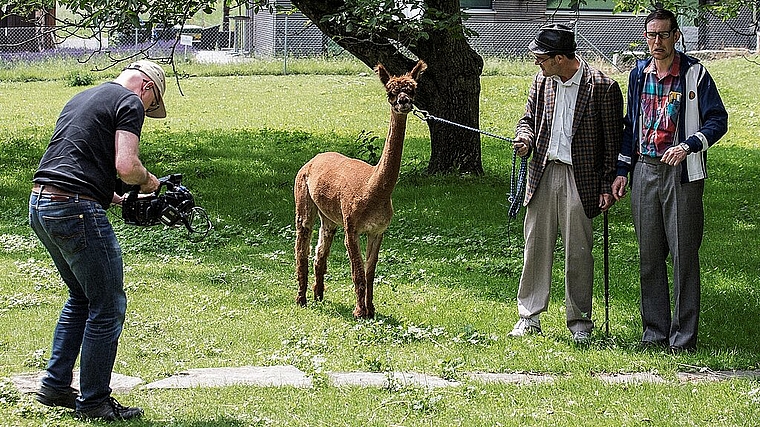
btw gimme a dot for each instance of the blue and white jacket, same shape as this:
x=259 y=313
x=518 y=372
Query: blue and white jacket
x=702 y=121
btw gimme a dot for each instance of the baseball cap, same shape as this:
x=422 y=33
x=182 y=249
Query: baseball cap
x=553 y=39
x=156 y=74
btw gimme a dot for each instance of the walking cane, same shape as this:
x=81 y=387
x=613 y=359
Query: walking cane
x=606 y=275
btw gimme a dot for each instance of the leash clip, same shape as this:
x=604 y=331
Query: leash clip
x=422 y=114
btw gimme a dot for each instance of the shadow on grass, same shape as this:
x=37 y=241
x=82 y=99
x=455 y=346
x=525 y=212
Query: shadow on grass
x=340 y=310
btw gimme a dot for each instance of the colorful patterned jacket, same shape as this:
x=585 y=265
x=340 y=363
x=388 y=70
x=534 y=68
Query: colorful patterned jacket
x=702 y=119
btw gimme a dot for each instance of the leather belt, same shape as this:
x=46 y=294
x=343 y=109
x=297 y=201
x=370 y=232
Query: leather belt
x=559 y=162
x=58 y=195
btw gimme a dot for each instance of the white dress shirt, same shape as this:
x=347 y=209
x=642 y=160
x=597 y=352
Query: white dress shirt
x=562 y=124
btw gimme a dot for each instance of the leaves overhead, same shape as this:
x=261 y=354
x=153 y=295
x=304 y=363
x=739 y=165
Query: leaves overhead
x=406 y=23
x=695 y=11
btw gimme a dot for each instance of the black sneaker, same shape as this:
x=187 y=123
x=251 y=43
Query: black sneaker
x=110 y=410
x=49 y=396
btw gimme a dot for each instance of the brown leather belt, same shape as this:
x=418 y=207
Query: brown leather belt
x=559 y=162
x=58 y=195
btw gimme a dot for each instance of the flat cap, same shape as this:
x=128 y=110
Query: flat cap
x=553 y=39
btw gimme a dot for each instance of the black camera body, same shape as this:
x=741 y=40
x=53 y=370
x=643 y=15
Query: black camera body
x=171 y=207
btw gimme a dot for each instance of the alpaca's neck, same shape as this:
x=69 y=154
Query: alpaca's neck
x=383 y=180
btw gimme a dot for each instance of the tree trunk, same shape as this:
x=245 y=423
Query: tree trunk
x=449 y=89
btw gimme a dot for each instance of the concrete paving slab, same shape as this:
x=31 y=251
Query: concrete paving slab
x=506 y=378
x=710 y=375
x=30 y=383
x=384 y=379
x=287 y=375
x=266 y=376
x=633 y=378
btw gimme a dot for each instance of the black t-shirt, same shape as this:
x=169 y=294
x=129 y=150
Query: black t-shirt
x=81 y=155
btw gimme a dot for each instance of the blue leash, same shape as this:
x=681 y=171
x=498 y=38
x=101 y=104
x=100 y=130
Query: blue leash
x=517 y=191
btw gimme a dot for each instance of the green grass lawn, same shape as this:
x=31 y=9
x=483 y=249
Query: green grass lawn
x=447 y=277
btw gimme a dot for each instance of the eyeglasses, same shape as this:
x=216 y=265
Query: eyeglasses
x=153 y=105
x=664 y=35
x=540 y=61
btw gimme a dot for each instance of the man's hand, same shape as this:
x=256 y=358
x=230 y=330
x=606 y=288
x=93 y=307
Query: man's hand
x=151 y=184
x=606 y=201
x=674 y=156
x=618 y=187
x=521 y=146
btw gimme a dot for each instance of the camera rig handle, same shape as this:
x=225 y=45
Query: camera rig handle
x=170 y=181
x=133 y=190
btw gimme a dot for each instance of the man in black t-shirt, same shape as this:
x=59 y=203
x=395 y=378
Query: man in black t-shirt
x=96 y=140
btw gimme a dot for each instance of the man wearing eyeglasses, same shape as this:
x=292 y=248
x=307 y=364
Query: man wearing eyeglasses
x=674 y=115
x=96 y=139
x=572 y=126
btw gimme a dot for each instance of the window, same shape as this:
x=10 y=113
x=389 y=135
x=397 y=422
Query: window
x=475 y=4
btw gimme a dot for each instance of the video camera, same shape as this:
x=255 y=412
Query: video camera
x=172 y=207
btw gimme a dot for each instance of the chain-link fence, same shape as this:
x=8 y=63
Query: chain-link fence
x=736 y=33
x=618 y=35
x=268 y=35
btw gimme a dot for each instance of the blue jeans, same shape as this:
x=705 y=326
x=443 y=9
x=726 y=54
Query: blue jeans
x=81 y=241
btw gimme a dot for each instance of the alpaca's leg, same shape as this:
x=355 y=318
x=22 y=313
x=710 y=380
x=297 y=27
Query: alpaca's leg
x=326 y=235
x=306 y=213
x=373 y=250
x=303 y=238
x=353 y=247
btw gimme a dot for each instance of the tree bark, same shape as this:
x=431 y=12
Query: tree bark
x=451 y=92
x=449 y=88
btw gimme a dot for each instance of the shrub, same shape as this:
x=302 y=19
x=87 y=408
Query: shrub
x=79 y=78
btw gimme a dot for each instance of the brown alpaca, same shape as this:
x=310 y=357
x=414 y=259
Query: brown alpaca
x=354 y=194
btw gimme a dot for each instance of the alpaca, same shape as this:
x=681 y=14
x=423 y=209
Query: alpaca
x=351 y=193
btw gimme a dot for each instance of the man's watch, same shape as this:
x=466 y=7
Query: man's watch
x=685 y=147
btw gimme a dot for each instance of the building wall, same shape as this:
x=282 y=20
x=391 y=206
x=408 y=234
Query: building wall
x=263 y=34
x=274 y=33
x=597 y=37
x=509 y=11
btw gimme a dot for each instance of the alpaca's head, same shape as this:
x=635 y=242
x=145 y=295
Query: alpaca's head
x=401 y=89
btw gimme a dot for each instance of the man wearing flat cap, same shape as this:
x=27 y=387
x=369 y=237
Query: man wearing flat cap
x=572 y=129
x=96 y=139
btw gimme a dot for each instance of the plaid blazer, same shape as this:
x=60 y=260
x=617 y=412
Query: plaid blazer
x=597 y=134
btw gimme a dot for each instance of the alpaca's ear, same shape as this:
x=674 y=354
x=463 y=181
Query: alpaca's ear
x=382 y=73
x=418 y=69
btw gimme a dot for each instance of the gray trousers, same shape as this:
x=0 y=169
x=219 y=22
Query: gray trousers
x=556 y=204
x=669 y=219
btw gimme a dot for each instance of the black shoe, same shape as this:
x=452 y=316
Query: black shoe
x=110 y=410
x=49 y=396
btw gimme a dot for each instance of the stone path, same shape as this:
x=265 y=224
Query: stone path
x=287 y=375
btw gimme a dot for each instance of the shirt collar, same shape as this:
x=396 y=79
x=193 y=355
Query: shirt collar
x=675 y=67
